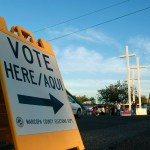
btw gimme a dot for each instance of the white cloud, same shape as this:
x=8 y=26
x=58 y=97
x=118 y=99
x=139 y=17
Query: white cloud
x=90 y=87
x=79 y=59
x=97 y=37
x=142 y=48
x=86 y=87
x=145 y=87
x=75 y=59
x=87 y=35
x=145 y=72
x=142 y=43
x=86 y=62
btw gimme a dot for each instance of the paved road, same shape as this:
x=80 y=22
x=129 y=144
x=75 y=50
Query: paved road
x=115 y=132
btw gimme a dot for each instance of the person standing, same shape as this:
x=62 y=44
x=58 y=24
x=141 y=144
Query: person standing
x=118 y=109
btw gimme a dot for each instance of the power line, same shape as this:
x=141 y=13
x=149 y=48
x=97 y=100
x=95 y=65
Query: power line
x=111 y=20
x=87 y=14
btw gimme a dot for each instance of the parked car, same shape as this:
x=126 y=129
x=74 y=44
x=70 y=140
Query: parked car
x=88 y=108
x=76 y=108
x=98 y=109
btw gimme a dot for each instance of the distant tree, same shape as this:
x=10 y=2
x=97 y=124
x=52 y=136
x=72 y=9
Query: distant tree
x=143 y=99
x=92 y=99
x=84 y=98
x=118 y=92
x=113 y=93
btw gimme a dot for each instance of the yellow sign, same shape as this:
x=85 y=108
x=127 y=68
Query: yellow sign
x=39 y=113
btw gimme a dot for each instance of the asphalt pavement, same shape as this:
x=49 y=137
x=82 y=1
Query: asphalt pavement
x=115 y=132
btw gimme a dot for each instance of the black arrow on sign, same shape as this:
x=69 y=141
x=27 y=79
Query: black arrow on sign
x=29 y=100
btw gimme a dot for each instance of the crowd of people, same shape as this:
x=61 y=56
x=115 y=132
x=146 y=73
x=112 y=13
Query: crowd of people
x=112 y=110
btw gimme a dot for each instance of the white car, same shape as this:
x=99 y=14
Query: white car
x=76 y=108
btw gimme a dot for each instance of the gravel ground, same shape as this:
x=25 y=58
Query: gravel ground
x=115 y=132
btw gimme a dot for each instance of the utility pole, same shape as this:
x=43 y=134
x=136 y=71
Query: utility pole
x=138 y=77
x=127 y=55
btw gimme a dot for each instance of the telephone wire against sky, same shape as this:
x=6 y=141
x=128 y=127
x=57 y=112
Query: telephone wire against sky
x=87 y=14
x=111 y=20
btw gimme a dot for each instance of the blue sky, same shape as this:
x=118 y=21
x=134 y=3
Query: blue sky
x=88 y=60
